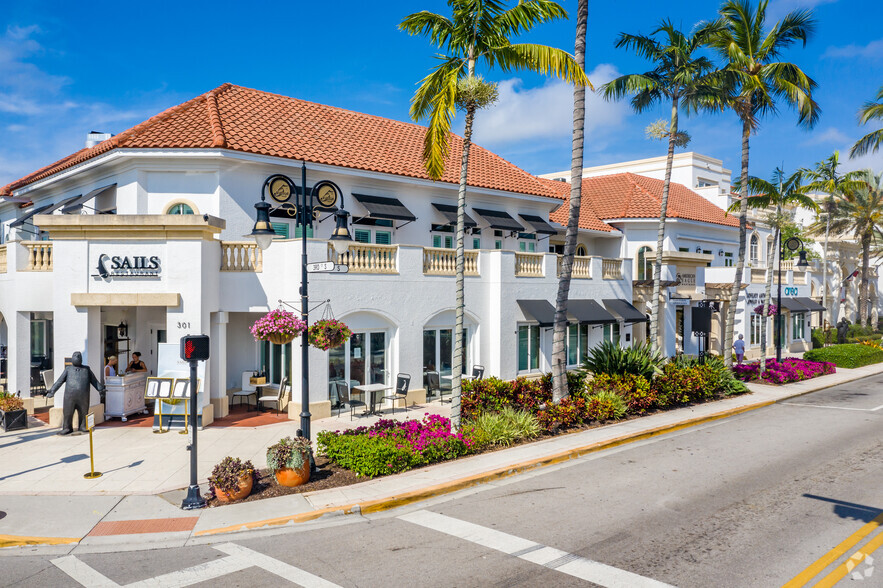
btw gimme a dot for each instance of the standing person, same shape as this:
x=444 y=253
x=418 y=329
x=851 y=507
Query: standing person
x=136 y=365
x=110 y=369
x=739 y=348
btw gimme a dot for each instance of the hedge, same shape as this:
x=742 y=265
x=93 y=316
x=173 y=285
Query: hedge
x=849 y=355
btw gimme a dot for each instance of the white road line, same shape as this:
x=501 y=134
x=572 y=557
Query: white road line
x=834 y=407
x=194 y=575
x=570 y=564
x=280 y=568
x=878 y=408
x=82 y=573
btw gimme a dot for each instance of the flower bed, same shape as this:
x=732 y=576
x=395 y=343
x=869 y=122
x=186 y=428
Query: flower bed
x=790 y=369
x=391 y=446
x=849 y=355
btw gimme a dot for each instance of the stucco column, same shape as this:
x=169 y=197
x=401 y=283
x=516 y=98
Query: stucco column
x=18 y=361
x=218 y=364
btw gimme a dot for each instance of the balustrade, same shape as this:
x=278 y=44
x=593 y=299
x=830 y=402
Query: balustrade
x=241 y=257
x=39 y=256
x=364 y=258
x=528 y=265
x=438 y=261
x=2 y=259
x=611 y=269
x=758 y=276
x=582 y=267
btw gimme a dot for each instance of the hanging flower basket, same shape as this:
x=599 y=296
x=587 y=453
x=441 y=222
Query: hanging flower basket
x=328 y=333
x=773 y=309
x=278 y=327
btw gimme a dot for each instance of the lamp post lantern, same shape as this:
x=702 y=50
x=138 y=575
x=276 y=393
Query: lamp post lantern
x=327 y=194
x=792 y=244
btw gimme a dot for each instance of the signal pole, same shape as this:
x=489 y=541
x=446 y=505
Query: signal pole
x=194 y=348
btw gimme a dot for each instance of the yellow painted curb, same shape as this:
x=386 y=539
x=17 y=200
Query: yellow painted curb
x=22 y=540
x=391 y=502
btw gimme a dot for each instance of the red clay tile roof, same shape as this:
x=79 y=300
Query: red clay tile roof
x=588 y=218
x=628 y=195
x=242 y=119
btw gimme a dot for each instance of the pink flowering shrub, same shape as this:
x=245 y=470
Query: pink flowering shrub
x=391 y=446
x=790 y=369
x=773 y=309
x=277 y=322
x=328 y=333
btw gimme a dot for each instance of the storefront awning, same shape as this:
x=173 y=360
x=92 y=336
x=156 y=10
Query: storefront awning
x=450 y=213
x=541 y=311
x=811 y=304
x=589 y=312
x=539 y=225
x=792 y=304
x=20 y=221
x=76 y=204
x=498 y=219
x=380 y=207
x=624 y=310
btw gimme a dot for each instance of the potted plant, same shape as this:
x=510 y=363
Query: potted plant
x=12 y=412
x=232 y=479
x=328 y=333
x=278 y=326
x=289 y=460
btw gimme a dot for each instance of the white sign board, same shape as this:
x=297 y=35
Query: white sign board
x=90 y=420
x=322 y=266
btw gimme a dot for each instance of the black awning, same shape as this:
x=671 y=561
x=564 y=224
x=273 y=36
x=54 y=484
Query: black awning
x=541 y=311
x=624 y=310
x=589 y=312
x=810 y=304
x=450 y=213
x=498 y=219
x=20 y=221
x=539 y=225
x=76 y=205
x=385 y=208
x=793 y=305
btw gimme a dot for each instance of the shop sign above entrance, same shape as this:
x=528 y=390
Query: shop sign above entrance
x=123 y=266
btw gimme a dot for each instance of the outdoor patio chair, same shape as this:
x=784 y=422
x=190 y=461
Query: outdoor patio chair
x=342 y=391
x=278 y=397
x=247 y=390
x=403 y=381
x=433 y=384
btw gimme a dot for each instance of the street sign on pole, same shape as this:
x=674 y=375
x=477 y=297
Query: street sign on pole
x=340 y=268
x=322 y=266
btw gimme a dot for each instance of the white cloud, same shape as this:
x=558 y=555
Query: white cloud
x=872 y=161
x=873 y=50
x=829 y=135
x=545 y=114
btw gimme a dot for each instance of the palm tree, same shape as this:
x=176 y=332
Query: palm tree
x=477 y=30
x=679 y=77
x=826 y=179
x=860 y=212
x=559 y=349
x=872 y=141
x=757 y=81
x=778 y=192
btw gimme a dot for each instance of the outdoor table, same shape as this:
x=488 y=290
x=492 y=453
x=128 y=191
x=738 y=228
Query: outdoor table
x=371 y=389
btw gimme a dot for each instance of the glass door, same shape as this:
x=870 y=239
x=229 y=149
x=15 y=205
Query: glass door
x=438 y=354
x=361 y=360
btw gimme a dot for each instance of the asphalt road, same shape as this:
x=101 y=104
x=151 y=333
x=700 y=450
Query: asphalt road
x=751 y=501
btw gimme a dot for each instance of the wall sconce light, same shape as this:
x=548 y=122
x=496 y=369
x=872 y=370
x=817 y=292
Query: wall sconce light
x=122 y=330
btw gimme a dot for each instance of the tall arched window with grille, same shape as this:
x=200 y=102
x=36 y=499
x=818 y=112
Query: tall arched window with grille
x=645 y=264
x=753 y=252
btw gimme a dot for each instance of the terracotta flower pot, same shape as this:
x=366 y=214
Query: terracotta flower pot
x=280 y=338
x=291 y=477
x=246 y=481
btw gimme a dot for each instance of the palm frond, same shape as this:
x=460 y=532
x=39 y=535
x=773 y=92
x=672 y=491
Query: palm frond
x=524 y=16
x=435 y=99
x=438 y=28
x=540 y=59
x=628 y=84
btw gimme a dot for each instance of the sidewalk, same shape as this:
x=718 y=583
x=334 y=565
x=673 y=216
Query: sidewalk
x=93 y=520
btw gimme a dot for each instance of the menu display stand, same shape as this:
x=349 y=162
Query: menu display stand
x=159 y=390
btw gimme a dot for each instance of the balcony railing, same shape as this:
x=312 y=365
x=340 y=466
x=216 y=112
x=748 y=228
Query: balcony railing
x=363 y=258
x=439 y=261
x=529 y=265
x=582 y=267
x=39 y=256
x=800 y=278
x=611 y=269
x=241 y=257
x=758 y=276
x=2 y=259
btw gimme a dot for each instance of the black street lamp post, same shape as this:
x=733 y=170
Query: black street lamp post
x=327 y=193
x=792 y=244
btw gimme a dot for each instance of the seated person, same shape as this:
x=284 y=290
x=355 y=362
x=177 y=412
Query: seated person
x=136 y=365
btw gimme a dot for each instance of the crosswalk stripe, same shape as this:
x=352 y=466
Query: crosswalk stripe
x=209 y=570
x=567 y=563
x=82 y=573
x=272 y=565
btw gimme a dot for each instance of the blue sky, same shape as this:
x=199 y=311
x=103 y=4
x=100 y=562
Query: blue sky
x=68 y=68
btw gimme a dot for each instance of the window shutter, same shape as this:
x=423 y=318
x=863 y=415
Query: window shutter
x=383 y=238
x=281 y=230
x=362 y=236
x=436 y=240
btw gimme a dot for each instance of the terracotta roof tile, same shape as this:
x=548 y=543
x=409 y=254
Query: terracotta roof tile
x=628 y=195
x=588 y=218
x=253 y=121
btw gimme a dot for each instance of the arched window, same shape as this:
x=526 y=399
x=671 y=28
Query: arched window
x=645 y=264
x=581 y=250
x=754 y=249
x=180 y=208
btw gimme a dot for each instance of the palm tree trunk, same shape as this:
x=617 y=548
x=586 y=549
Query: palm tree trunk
x=767 y=297
x=743 y=229
x=457 y=368
x=660 y=238
x=863 y=291
x=825 y=260
x=559 y=350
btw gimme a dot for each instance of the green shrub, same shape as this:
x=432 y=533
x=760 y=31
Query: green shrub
x=850 y=355
x=818 y=338
x=635 y=390
x=567 y=413
x=683 y=381
x=859 y=338
x=605 y=405
x=506 y=427
x=610 y=358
